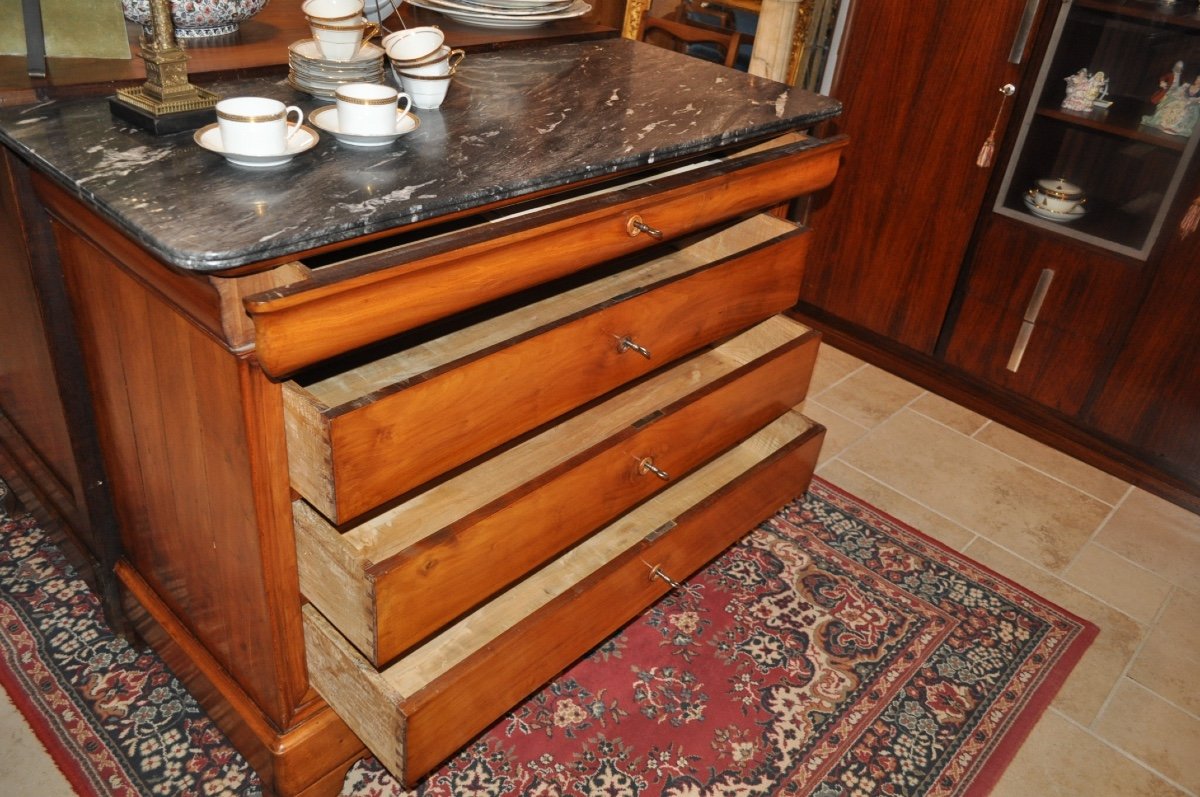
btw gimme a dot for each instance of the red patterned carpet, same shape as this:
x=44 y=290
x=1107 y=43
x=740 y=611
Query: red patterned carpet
x=833 y=652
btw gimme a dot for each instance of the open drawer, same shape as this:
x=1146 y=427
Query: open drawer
x=340 y=307
x=367 y=435
x=420 y=710
x=390 y=582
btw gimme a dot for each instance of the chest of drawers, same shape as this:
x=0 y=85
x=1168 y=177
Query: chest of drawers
x=487 y=498
x=373 y=491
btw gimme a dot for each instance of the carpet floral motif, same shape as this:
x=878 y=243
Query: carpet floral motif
x=833 y=652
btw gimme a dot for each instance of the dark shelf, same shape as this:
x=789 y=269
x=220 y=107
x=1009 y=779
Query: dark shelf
x=1184 y=13
x=1117 y=122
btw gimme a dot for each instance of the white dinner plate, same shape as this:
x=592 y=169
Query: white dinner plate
x=498 y=19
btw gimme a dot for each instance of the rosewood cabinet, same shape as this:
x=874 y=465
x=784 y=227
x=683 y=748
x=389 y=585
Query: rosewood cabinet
x=921 y=90
x=1062 y=320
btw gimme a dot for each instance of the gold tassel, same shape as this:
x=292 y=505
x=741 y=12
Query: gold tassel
x=988 y=150
x=1191 y=219
x=984 y=159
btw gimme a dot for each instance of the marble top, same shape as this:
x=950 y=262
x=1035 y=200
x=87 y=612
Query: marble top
x=514 y=122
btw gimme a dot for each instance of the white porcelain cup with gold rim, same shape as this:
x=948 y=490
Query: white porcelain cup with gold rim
x=256 y=125
x=342 y=42
x=427 y=91
x=333 y=12
x=413 y=44
x=442 y=62
x=369 y=109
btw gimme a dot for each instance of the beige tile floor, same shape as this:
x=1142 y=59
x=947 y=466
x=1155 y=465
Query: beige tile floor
x=1127 y=721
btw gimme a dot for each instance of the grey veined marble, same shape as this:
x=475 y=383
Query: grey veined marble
x=514 y=122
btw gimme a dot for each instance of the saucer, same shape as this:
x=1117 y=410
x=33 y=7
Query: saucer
x=1054 y=215
x=303 y=139
x=326 y=118
x=307 y=50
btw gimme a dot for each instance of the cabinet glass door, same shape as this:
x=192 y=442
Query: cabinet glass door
x=1111 y=124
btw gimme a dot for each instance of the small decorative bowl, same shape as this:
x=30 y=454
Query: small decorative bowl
x=197 y=19
x=1057 y=195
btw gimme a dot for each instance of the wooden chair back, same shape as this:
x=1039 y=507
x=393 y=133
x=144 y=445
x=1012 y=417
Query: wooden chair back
x=679 y=36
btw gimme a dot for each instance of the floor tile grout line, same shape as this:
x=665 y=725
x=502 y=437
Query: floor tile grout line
x=974 y=534
x=1150 y=628
x=977 y=537
x=1108 y=743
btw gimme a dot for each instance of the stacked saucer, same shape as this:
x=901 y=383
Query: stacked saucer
x=310 y=72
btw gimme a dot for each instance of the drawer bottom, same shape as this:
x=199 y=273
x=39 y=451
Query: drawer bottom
x=416 y=713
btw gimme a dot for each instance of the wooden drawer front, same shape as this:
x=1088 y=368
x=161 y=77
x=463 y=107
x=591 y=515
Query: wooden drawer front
x=351 y=451
x=417 y=712
x=424 y=563
x=356 y=302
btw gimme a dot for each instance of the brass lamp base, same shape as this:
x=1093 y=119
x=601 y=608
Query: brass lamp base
x=167 y=102
x=133 y=106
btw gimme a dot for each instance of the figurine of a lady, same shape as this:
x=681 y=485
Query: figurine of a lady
x=1178 y=111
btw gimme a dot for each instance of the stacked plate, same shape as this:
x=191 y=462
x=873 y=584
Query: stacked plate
x=505 y=13
x=313 y=74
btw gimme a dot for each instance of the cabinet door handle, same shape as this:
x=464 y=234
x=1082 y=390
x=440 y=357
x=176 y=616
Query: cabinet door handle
x=1022 y=38
x=1030 y=319
x=635 y=226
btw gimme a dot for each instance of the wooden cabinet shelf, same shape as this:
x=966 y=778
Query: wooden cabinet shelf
x=1129 y=168
x=1182 y=14
x=1120 y=123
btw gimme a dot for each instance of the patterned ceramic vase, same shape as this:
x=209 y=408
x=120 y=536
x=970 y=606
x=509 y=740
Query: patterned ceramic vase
x=195 y=19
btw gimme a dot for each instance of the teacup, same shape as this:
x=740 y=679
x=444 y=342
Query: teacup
x=342 y=42
x=333 y=12
x=369 y=109
x=427 y=91
x=441 y=62
x=413 y=44
x=256 y=125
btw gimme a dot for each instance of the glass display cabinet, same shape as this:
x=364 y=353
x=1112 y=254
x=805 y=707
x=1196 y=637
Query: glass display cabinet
x=1111 y=124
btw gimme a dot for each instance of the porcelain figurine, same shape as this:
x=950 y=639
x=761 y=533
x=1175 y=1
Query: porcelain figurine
x=1083 y=89
x=1178 y=111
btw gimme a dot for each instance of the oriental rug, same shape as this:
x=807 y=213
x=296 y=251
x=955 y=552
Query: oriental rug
x=832 y=652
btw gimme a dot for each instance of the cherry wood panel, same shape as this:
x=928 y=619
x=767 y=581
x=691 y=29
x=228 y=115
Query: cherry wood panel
x=36 y=434
x=1091 y=298
x=49 y=453
x=172 y=418
x=920 y=84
